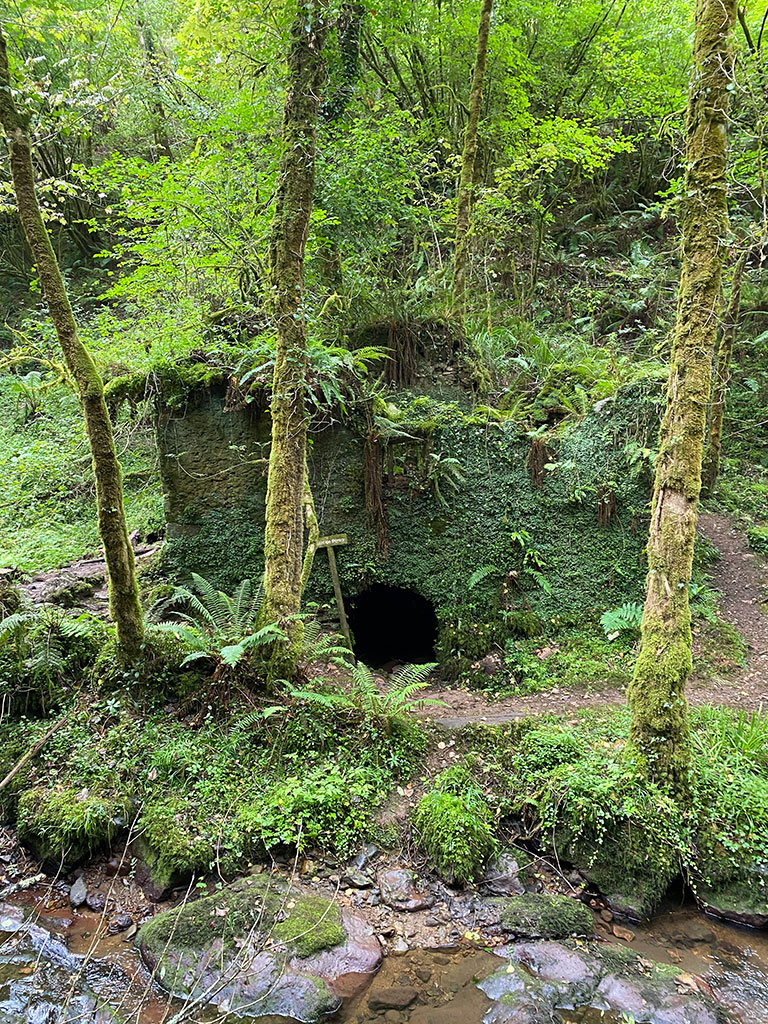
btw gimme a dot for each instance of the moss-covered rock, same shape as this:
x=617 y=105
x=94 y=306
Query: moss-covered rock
x=630 y=873
x=454 y=824
x=540 y=916
x=259 y=947
x=170 y=844
x=66 y=826
x=313 y=924
x=741 y=900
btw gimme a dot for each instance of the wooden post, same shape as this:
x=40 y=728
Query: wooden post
x=330 y=543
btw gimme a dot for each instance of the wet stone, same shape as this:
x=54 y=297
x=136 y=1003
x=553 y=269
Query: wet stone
x=96 y=901
x=399 y=891
x=119 y=923
x=398 y=997
x=78 y=892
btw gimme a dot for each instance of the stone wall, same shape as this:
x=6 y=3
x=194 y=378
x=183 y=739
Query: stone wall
x=548 y=544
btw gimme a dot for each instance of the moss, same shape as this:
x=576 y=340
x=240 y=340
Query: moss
x=170 y=844
x=67 y=824
x=252 y=905
x=454 y=824
x=539 y=916
x=173 y=382
x=312 y=925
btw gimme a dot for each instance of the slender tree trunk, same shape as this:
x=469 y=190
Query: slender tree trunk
x=711 y=466
x=461 y=255
x=659 y=735
x=124 y=602
x=154 y=82
x=284 y=532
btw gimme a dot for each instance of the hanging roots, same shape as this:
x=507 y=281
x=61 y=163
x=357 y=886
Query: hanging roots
x=538 y=457
x=402 y=365
x=373 y=473
x=606 y=505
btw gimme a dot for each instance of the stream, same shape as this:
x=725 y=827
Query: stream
x=440 y=984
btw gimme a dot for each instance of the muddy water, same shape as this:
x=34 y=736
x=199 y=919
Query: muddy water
x=733 y=961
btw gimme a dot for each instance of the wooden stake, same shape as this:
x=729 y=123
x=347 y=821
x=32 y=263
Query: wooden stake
x=330 y=543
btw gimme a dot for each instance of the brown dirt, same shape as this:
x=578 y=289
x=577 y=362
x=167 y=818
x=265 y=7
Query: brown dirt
x=742 y=580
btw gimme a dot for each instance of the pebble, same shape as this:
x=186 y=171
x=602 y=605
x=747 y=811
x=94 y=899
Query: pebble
x=398 y=997
x=623 y=933
x=606 y=915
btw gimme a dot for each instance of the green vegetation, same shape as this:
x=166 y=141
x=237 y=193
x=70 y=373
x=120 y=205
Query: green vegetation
x=433 y=319
x=585 y=798
x=455 y=825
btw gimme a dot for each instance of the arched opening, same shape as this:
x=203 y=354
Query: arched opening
x=392 y=625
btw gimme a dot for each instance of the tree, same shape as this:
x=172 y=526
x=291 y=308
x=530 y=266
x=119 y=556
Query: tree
x=711 y=465
x=284 y=531
x=659 y=731
x=124 y=603
x=461 y=255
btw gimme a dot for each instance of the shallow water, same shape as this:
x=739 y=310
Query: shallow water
x=733 y=961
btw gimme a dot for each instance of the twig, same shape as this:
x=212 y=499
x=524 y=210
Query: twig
x=33 y=750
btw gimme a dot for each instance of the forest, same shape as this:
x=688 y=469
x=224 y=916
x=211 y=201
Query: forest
x=384 y=511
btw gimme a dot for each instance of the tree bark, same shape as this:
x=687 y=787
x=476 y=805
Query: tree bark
x=659 y=736
x=466 y=180
x=711 y=466
x=284 y=532
x=124 y=603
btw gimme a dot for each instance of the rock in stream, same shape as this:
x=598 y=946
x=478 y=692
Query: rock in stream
x=260 y=947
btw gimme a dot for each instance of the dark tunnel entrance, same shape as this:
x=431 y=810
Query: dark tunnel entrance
x=392 y=624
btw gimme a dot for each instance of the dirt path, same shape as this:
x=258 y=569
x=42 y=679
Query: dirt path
x=738 y=575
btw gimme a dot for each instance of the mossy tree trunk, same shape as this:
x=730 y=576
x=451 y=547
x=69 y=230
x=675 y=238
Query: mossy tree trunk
x=711 y=466
x=659 y=735
x=466 y=180
x=124 y=603
x=284 y=531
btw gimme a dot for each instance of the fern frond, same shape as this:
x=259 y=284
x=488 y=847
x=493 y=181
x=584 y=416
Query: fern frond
x=480 y=574
x=242 y=605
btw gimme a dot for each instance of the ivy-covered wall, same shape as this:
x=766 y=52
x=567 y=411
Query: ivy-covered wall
x=481 y=517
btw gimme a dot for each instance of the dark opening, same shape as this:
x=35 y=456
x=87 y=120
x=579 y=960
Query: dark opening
x=392 y=625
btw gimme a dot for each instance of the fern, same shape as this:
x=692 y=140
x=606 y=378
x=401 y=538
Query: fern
x=623 y=620
x=481 y=574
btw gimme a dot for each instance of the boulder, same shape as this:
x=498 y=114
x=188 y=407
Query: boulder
x=399 y=891
x=544 y=976
x=260 y=947
x=504 y=875
x=540 y=916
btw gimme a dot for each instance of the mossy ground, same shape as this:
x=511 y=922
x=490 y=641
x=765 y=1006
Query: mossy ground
x=239 y=785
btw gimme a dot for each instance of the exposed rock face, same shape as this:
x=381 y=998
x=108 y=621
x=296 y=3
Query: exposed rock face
x=542 y=976
x=260 y=947
x=505 y=875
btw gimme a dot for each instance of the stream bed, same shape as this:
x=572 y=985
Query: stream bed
x=420 y=986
